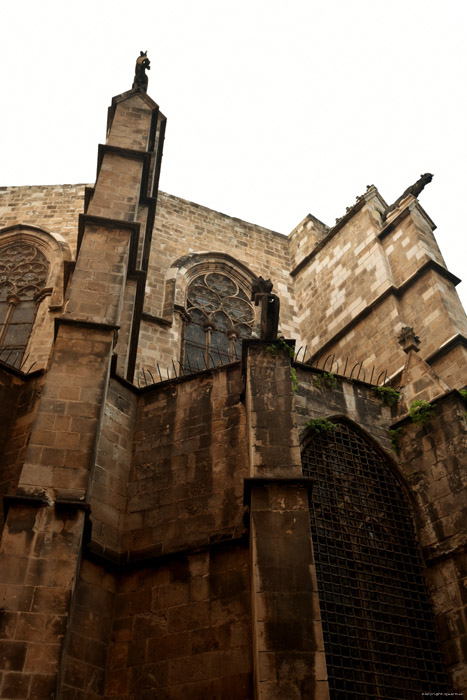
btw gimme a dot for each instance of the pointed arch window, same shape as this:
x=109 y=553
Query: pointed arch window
x=23 y=274
x=220 y=316
x=379 y=635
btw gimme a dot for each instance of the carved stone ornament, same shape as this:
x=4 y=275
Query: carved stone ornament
x=408 y=339
x=219 y=317
x=23 y=271
x=259 y=288
x=414 y=190
x=142 y=65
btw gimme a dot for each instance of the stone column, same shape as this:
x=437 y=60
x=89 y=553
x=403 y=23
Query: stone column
x=288 y=646
x=43 y=534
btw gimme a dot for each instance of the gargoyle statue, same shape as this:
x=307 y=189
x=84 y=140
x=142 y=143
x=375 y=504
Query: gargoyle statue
x=414 y=190
x=270 y=305
x=142 y=64
x=260 y=286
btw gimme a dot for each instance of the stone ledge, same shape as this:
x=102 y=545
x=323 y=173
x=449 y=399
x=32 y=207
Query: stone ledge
x=128 y=560
x=19 y=373
x=42 y=501
x=252 y=482
x=258 y=342
x=134 y=154
x=446 y=347
x=403 y=420
x=433 y=555
x=158 y=320
x=20 y=500
x=410 y=204
x=106 y=222
x=62 y=320
x=173 y=380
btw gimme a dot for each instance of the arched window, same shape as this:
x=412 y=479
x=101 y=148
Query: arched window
x=379 y=636
x=220 y=316
x=23 y=274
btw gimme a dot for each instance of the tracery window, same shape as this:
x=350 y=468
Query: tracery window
x=220 y=316
x=23 y=274
x=379 y=636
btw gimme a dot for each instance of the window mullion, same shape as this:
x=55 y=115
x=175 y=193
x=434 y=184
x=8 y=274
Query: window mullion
x=13 y=302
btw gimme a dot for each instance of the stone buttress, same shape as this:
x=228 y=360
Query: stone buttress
x=43 y=533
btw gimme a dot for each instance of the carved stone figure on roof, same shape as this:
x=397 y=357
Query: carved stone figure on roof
x=142 y=65
x=414 y=190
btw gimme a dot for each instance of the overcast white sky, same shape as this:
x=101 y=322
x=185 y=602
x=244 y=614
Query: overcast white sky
x=275 y=109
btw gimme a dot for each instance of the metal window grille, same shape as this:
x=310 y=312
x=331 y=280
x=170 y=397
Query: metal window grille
x=378 y=629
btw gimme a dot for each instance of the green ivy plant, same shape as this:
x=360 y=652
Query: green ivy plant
x=294 y=379
x=420 y=411
x=386 y=394
x=280 y=344
x=321 y=425
x=325 y=379
x=395 y=439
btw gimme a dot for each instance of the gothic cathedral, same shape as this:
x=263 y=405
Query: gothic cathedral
x=233 y=462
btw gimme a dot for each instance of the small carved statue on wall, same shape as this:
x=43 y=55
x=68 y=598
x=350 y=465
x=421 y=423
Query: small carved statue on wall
x=270 y=305
x=408 y=339
x=142 y=64
x=260 y=286
x=414 y=190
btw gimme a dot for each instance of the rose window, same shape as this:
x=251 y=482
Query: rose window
x=220 y=317
x=23 y=274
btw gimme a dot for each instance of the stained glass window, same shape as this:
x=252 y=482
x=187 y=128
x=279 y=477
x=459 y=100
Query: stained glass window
x=220 y=316
x=23 y=273
x=379 y=635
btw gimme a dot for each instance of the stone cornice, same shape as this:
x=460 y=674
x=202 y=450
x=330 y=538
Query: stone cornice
x=390 y=291
x=387 y=228
x=158 y=320
x=131 y=559
x=453 y=342
x=105 y=222
x=133 y=154
x=65 y=321
x=260 y=481
x=340 y=224
x=393 y=223
x=25 y=376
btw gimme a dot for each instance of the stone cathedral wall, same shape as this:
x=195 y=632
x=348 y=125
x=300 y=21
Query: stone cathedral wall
x=170 y=466
x=345 y=291
x=54 y=207
x=182 y=228
x=366 y=280
x=159 y=537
